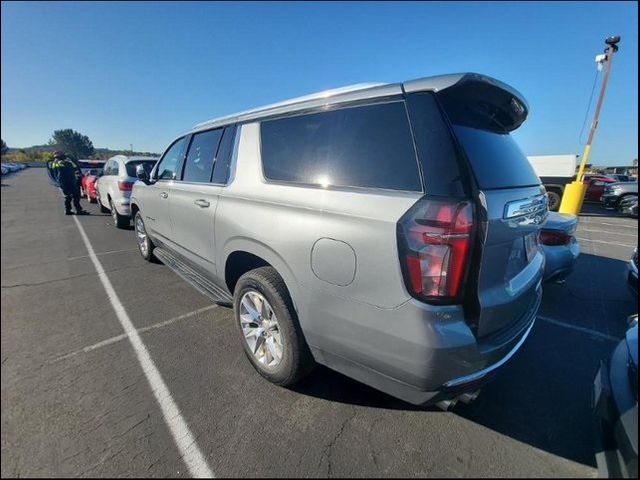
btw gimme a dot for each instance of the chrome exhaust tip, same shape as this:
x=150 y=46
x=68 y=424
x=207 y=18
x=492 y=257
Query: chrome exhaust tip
x=446 y=404
x=469 y=397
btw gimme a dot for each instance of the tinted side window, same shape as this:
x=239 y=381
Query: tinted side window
x=170 y=161
x=366 y=146
x=115 y=167
x=436 y=150
x=202 y=151
x=221 y=169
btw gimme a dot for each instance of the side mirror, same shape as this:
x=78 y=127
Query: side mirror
x=142 y=174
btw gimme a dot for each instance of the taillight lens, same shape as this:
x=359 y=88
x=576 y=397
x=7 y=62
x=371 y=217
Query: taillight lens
x=434 y=239
x=125 y=186
x=551 y=237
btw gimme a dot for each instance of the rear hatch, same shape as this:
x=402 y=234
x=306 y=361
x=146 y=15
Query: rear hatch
x=502 y=285
x=512 y=204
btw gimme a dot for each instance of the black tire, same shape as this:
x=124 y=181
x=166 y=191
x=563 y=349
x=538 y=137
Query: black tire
x=149 y=256
x=297 y=360
x=554 y=200
x=120 y=221
x=103 y=209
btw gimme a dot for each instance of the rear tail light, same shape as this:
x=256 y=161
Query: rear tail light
x=434 y=239
x=552 y=237
x=124 y=186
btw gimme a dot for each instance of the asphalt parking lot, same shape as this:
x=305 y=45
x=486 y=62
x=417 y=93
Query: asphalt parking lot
x=76 y=402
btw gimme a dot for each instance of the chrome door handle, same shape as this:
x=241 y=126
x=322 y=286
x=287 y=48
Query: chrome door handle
x=164 y=194
x=201 y=203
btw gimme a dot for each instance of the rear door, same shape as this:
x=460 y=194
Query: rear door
x=194 y=197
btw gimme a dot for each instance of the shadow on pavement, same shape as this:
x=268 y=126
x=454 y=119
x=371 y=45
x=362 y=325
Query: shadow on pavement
x=542 y=397
x=594 y=209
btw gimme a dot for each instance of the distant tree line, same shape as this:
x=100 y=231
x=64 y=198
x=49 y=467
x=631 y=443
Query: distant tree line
x=71 y=142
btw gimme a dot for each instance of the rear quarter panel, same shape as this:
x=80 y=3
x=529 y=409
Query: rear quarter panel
x=282 y=223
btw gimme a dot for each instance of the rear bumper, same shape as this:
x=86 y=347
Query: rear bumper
x=560 y=260
x=122 y=203
x=419 y=353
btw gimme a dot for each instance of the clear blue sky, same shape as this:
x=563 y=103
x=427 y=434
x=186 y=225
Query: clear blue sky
x=128 y=73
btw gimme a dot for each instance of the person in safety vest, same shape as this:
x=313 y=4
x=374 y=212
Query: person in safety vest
x=65 y=174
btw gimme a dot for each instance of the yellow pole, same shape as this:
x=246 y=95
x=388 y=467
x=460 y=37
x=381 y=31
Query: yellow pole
x=573 y=195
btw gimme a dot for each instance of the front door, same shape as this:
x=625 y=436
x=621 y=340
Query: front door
x=194 y=199
x=157 y=195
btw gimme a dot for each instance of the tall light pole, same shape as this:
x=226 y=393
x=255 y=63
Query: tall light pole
x=574 y=192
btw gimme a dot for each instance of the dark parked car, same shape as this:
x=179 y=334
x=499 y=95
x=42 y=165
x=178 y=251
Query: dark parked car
x=629 y=206
x=87 y=164
x=615 y=401
x=619 y=177
x=615 y=193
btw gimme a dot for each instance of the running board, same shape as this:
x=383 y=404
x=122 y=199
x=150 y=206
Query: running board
x=188 y=274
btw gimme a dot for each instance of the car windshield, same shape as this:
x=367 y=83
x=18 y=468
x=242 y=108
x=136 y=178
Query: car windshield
x=132 y=165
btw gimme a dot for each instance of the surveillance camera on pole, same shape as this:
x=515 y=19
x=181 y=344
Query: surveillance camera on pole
x=574 y=192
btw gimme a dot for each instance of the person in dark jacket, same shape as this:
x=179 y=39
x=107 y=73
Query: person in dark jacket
x=65 y=174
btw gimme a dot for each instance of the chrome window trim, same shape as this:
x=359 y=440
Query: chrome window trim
x=232 y=164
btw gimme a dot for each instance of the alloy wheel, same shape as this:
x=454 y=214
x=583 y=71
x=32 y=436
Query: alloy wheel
x=141 y=236
x=114 y=213
x=261 y=329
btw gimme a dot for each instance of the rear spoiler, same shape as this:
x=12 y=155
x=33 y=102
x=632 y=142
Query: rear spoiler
x=476 y=100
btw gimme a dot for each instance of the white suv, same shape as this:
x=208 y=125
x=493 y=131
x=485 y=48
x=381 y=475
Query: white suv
x=113 y=188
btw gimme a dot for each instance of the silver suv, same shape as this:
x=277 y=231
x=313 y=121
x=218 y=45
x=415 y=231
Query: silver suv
x=617 y=193
x=388 y=231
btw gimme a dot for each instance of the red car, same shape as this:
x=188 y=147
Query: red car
x=88 y=184
x=595 y=186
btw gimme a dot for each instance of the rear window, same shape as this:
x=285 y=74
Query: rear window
x=367 y=146
x=132 y=165
x=495 y=158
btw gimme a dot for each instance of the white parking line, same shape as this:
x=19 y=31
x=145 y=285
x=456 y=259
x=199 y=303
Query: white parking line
x=616 y=225
x=606 y=242
x=104 y=253
x=118 y=338
x=588 y=331
x=182 y=436
x=608 y=232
